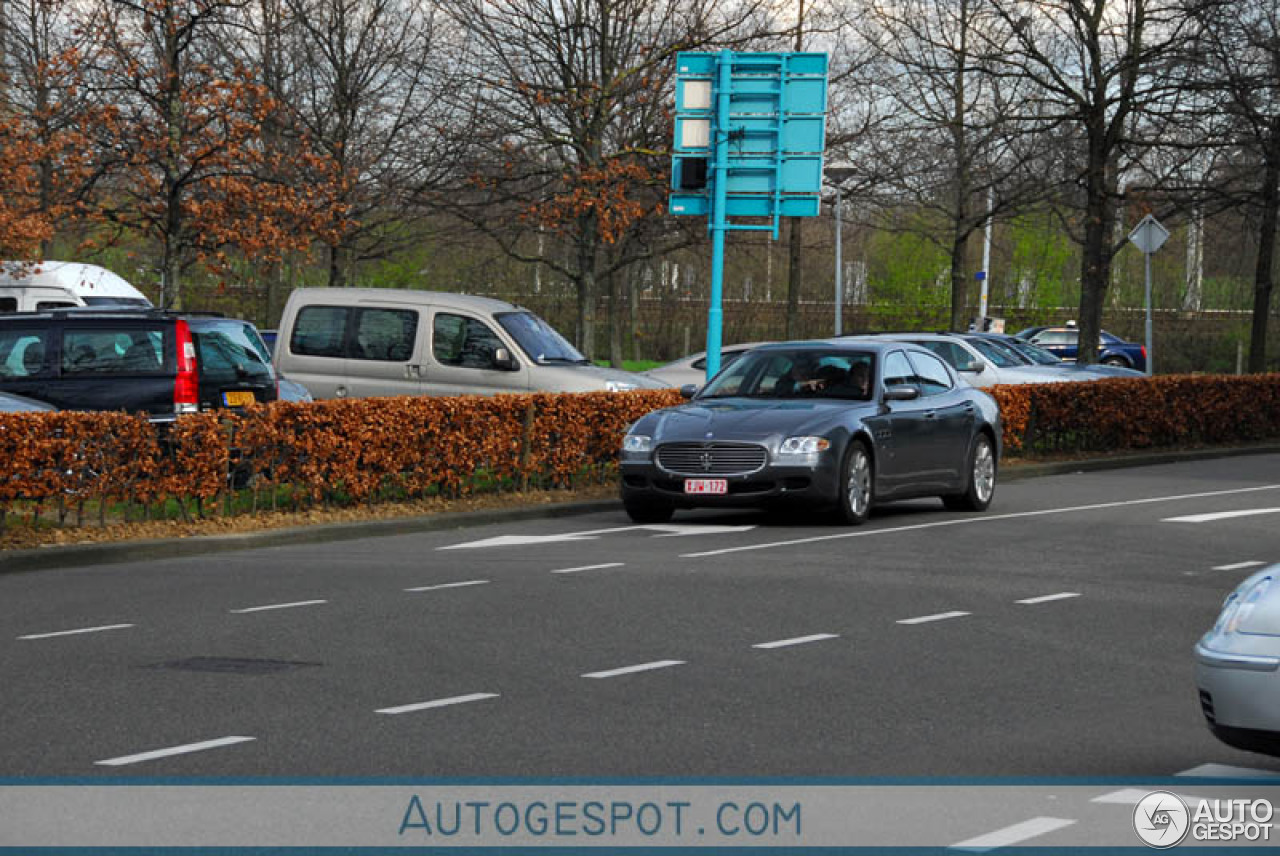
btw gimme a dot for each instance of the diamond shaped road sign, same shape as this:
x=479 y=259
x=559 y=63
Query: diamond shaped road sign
x=1149 y=236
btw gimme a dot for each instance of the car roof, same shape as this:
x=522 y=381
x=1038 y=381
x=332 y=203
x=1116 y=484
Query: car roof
x=97 y=313
x=448 y=300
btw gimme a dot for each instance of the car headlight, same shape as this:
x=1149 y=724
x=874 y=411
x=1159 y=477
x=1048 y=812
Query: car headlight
x=637 y=443
x=804 y=445
x=620 y=385
x=1240 y=606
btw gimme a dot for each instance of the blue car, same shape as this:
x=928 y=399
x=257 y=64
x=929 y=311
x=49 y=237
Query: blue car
x=1062 y=342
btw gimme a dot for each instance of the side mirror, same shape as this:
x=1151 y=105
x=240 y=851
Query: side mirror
x=974 y=366
x=689 y=390
x=503 y=361
x=901 y=393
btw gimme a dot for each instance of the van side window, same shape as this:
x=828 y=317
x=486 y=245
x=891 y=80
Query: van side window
x=24 y=353
x=8 y=304
x=385 y=334
x=320 y=331
x=44 y=305
x=464 y=342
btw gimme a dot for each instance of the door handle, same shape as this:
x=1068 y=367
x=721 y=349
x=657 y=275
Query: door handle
x=930 y=414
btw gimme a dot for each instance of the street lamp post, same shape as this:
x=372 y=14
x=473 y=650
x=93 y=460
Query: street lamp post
x=837 y=174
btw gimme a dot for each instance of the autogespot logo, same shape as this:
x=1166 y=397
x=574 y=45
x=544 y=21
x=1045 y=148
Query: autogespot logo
x=1161 y=819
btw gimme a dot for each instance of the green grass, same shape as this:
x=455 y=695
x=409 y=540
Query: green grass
x=633 y=365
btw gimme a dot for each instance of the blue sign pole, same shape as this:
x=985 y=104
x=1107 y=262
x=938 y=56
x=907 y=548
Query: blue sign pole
x=719 y=218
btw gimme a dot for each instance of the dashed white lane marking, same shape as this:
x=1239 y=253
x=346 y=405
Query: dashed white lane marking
x=440 y=702
x=589 y=568
x=631 y=670
x=799 y=640
x=925 y=619
x=1238 y=566
x=56 y=633
x=969 y=521
x=1220 y=515
x=277 y=606
x=1028 y=829
x=440 y=586
x=1046 y=598
x=1133 y=796
x=173 y=750
x=1226 y=771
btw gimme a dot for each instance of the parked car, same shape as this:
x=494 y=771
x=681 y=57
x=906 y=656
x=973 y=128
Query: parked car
x=693 y=368
x=38 y=286
x=160 y=363
x=1037 y=356
x=977 y=361
x=843 y=424
x=1063 y=342
x=360 y=342
x=10 y=403
x=1238 y=666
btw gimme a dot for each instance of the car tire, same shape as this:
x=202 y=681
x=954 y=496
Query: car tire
x=648 y=510
x=981 y=479
x=1116 y=361
x=857 y=484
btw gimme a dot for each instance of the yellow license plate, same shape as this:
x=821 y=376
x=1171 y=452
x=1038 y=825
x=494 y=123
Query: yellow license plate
x=238 y=398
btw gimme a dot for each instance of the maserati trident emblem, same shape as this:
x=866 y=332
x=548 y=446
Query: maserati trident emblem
x=706 y=460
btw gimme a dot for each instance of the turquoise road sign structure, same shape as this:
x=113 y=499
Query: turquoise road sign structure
x=749 y=135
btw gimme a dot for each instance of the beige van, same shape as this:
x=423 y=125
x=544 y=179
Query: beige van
x=361 y=342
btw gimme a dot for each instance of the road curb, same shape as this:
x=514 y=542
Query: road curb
x=81 y=555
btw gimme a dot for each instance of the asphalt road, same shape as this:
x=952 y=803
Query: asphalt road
x=1050 y=636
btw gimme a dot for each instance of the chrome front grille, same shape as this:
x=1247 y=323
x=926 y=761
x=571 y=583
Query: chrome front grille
x=712 y=459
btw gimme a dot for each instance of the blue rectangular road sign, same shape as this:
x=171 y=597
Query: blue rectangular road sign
x=750 y=130
x=775 y=129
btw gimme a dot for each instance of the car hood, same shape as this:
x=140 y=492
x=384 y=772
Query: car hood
x=1032 y=374
x=586 y=378
x=747 y=419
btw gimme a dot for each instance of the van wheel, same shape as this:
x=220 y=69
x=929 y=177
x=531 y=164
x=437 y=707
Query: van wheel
x=857 y=484
x=982 y=479
x=648 y=510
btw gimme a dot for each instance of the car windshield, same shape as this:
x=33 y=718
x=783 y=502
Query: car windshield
x=539 y=339
x=231 y=351
x=1008 y=350
x=998 y=356
x=802 y=373
x=1035 y=353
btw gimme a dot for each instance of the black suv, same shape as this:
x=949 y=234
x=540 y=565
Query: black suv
x=160 y=363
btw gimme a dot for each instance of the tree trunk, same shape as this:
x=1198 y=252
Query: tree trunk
x=615 y=321
x=1262 y=282
x=337 y=276
x=795 y=278
x=1095 y=263
x=959 y=280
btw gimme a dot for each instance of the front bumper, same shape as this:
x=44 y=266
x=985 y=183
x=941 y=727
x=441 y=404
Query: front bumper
x=1240 y=697
x=814 y=481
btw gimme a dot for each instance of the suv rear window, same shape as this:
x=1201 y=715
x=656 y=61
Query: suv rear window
x=23 y=353
x=106 y=351
x=230 y=351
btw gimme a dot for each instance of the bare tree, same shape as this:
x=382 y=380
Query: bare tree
x=1241 y=43
x=1092 y=65
x=946 y=146
x=365 y=86
x=571 y=100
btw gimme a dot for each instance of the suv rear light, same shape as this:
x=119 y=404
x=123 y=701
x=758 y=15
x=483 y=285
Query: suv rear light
x=186 y=388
